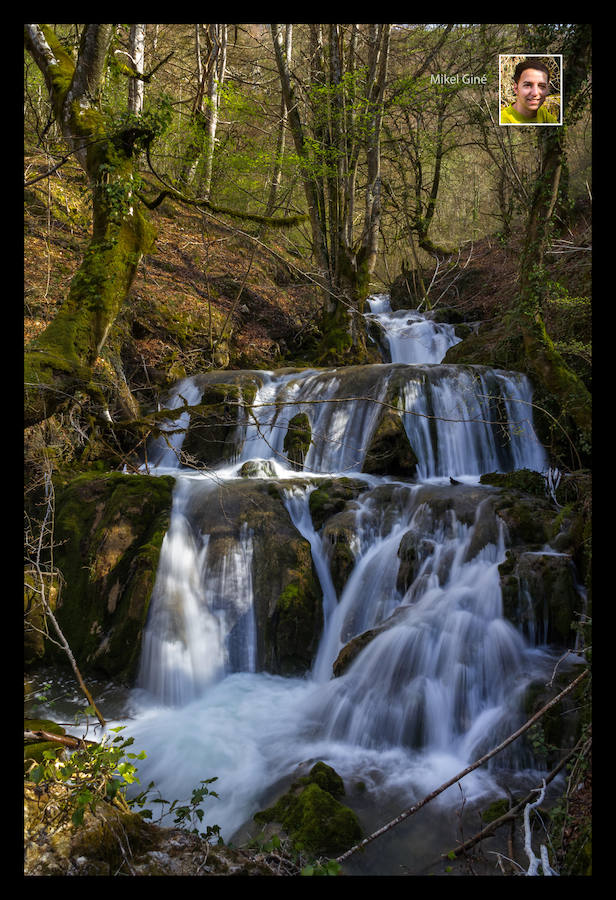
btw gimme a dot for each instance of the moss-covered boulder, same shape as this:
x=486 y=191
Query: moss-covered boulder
x=287 y=594
x=339 y=539
x=527 y=517
x=209 y=438
x=331 y=497
x=297 y=440
x=353 y=648
x=109 y=531
x=540 y=596
x=257 y=468
x=312 y=816
x=521 y=480
x=390 y=451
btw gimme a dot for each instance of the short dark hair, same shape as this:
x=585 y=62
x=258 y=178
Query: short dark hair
x=529 y=64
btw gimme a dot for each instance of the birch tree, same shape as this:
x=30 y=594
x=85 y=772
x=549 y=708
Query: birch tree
x=211 y=68
x=136 y=85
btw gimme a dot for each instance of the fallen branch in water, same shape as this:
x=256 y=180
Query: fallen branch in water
x=66 y=740
x=515 y=810
x=443 y=787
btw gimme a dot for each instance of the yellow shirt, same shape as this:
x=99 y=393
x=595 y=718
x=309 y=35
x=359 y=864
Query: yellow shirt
x=511 y=116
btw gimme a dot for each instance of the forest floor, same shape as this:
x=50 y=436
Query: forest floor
x=187 y=290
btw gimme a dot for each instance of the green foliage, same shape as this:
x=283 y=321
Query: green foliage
x=327 y=867
x=188 y=816
x=103 y=772
x=92 y=774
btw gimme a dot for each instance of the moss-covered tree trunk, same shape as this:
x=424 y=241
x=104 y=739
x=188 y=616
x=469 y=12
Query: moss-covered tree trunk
x=543 y=360
x=60 y=359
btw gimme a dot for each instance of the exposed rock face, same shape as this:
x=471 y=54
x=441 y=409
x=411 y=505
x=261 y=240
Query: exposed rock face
x=287 y=596
x=390 y=452
x=297 y=440
x=224 y=398
x=109 y=530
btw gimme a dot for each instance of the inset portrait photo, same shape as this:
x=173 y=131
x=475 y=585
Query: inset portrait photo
x=530 y=89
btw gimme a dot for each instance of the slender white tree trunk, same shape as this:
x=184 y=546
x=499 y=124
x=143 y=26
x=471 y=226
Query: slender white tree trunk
x=136 y=86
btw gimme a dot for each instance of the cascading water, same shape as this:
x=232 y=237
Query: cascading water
x=441 y=678
x=410 y=337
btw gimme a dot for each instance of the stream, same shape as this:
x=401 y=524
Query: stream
x=443 y=678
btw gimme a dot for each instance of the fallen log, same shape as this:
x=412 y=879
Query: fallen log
x=66 y=740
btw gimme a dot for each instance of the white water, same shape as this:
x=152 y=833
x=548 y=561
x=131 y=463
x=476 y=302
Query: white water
x=428 y=694
x=411 y=337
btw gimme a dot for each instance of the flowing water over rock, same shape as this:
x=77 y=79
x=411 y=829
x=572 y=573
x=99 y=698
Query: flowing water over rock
x=415 y=672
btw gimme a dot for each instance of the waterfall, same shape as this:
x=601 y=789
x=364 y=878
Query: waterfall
x=201 y=625
x=410 y=336
x=434 y=673
x=467 y=420
x=163 y=452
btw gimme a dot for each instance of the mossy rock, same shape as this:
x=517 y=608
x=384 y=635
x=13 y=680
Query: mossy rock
x=338 y=537
x=257 y=468
x=287 y=596
x=521 y=480
x=297 y=440
x=314 y=820
x=327 y=779
x=212 y=423
x=109 y=531
x=540 y=596
x=352 y=649
x=390 y=451
x=297 y=620
x=528 y=518
x=331 y=497
x=496 y=809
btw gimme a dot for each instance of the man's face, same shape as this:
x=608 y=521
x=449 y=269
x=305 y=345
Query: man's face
x=531 y=91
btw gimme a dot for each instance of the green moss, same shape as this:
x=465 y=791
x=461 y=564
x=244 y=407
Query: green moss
x=109 y=529
x=297 y=440
x=331 y=497
x=327 y=779
x=61 y=72
x=495 y=810
x=313 y=818
x=298 y=615
x=521 y=480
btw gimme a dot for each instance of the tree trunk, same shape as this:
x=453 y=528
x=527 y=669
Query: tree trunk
x=136 y=86
x=277 y=171
x=319 y=242
x=59 y=361
x=543 y=360
x=216 y=77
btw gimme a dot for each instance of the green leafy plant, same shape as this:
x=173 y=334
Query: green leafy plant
x=327 y=867
x=91 y=774
x=187 y=816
